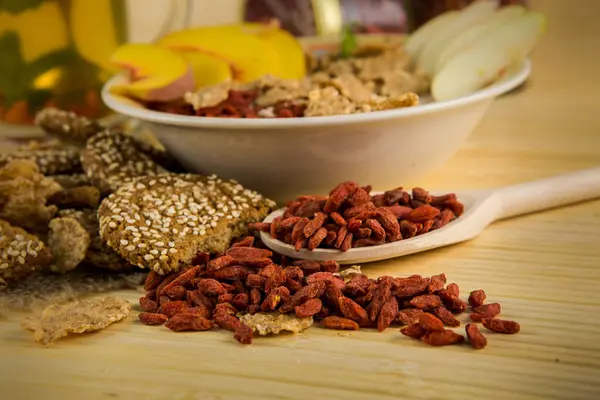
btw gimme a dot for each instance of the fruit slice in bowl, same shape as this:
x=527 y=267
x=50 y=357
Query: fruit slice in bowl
x=486 y=58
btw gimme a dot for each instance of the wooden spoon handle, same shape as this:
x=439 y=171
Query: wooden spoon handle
x=548 y=193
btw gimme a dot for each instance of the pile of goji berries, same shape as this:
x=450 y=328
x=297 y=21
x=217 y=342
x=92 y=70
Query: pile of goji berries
x=351 y=217
x=249 y=279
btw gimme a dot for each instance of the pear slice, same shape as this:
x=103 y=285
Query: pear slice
x=462 y=41
x=485 y=59
x=468 y=17
x=418 y=39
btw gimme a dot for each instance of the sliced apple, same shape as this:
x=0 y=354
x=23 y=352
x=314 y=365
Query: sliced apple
x=208 y=70
x=249 y=57
x=485 y=59
x=463 y=40
x=466 y=18
x=156 y=73
x=285 y=44
x=419 y=38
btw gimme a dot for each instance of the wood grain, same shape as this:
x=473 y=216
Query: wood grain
x=543 y=268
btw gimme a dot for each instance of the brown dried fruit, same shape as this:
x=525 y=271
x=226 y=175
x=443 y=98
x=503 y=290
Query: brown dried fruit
x=347 y=243
x=273 y=300
x=316 y=239
x=148 y=305
x=260 y=226
x=381 y=295
x=350 y=309
x=256 y=281
x=298 y=230
x=225 y=298
x=339 y=323
x=341 y=236
x=442 y=338
x=243 y=334
x=173 y=308
x=408 y=229
x=232 y=272
x=431 y=323
x=289 y=223
x=488 y=310
x=308 y=309
x=228 y=322
x=436 y=283
x=148 y=318
x=330 y=266
x=153 y=279
x=210 y=287
x=411 y=286
x=240 y=301
x=475 y=337
x=501 y=326
x=294 y=272
x=477 y=298
x=220 y=262
x=408 y=316
x=307 y=266
x=423 y=213
x=426 y=301
x=248 y=241
x=453 y=289
x=337 y=219
x=248 y=253
x=314 y=224
x=387 y=314
x=414 y=331
x=176 y=292
x=189 y=322
x=226 y=309
x=446 y=316
x=182 y=280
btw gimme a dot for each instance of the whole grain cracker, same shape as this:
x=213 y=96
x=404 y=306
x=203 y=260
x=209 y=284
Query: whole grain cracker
x=20 y=253
x=99 y=254
x=275 y=323
x=58 y=321
x=67 y=125
x=69 y=242
x=111 y=159
x=24 y=193
x=161 y=222
x=51 y=158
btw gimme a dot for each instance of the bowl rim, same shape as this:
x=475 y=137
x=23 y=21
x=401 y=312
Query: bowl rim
x=517 y=75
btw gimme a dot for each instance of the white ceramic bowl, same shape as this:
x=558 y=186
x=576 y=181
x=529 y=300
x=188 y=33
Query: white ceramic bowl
x=284 y=158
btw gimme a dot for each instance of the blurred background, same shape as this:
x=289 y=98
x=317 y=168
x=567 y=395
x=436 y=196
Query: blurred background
x=55 y=52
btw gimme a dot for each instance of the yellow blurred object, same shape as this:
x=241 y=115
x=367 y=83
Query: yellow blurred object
x=41 y=29
x=208 y=70
x=285 y=44
x=156 y=73
x=249 y=57
x=94 y=29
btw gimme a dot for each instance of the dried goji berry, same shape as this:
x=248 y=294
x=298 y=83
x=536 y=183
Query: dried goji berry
x=153 y=279
x=330 y=266
x=430 y=322
x=315 y=240
x=423 y=213
x=339 y=323
x=426 y=301
x=350 y=309
x=148 y=305
x=387 y=314
x=488 y=310
x=243 y=334
x=210 y=287
x=240 y=301
x=189 y=322
x=442 y=338
x=475 y=337
x=309 y=308
x=181 y=280
x=501 y=326
x=175 y=292
x=228 y=322
x=173 y=308
x=225 y=308
x=477 y=298
x=220 y=262
x=446 y=316
x=148 y=318
x=436 y=283
x=408 y=316
x=248 y=253
x=248 y=241
x=415 y=331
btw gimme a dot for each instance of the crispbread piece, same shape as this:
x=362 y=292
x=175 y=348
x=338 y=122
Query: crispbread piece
x=20 y=253
x=99 y=254
x=69 y=242
x=51 y=158
x=162 y=222
x=59 y=320
x=111 y=159
x=24 y=193
x=67 y=125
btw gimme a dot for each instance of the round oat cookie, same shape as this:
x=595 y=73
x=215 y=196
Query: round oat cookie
x=161 y=222
x=20 y=253
x=111 y=159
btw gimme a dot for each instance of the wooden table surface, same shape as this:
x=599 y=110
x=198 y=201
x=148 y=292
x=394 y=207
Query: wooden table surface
x=544 y=269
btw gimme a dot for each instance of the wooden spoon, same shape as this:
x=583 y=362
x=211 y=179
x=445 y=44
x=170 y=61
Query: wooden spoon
x=482 y=207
